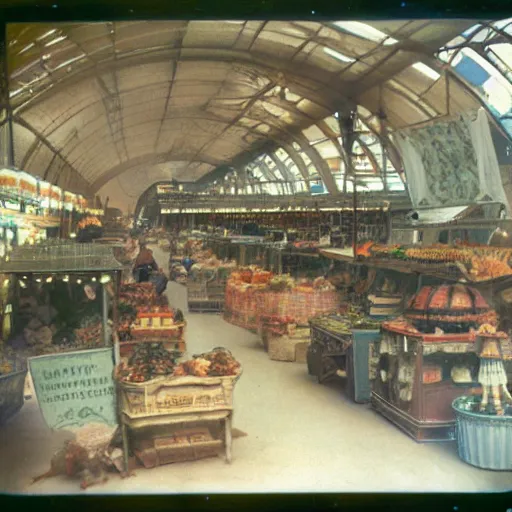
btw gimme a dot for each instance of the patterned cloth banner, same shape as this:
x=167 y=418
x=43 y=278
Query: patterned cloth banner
x=451 y=162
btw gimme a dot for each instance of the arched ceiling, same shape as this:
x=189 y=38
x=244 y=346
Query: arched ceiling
x=121 y=105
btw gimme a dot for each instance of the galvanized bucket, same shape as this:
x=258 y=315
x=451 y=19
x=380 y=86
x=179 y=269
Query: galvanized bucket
x=483 y=440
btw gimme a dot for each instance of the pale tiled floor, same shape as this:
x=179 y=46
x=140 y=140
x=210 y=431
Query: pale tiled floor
x=301 y=437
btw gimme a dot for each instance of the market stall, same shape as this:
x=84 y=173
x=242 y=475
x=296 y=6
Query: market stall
x=427 y=359
x=252 y=293
x=176 y=411
x=57 y=298
x=340 y=347
x=146 y=317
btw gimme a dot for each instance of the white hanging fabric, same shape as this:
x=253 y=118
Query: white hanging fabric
x=452 y=162
x=491 y=184
x=414 y=170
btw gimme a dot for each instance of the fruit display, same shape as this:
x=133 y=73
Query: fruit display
x=89 y=336
x=479 y=262
x=138 y=294
x=322 y=284
x=252 y=275
x=217 y=363
x=454 y=308
x=152 y=360
x=354 y=318
x=89 y=221
x=488 y=268
x=148 y=362
x=281 y=283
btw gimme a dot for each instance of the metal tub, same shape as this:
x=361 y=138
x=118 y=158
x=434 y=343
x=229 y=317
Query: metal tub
x=483 y=440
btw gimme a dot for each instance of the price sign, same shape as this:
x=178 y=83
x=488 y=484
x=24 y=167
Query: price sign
x=75 y=389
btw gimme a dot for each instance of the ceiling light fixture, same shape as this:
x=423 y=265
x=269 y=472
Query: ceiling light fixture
x=365 y=31
x=426 y=70
x=338 y=55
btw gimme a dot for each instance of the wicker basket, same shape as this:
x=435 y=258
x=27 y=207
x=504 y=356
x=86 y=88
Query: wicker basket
x=176 y=395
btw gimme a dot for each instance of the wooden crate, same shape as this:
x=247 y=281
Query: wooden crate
x=126 y=348
x=174 y=332
x=166 y=396
x=181 y=446
x=287 y=348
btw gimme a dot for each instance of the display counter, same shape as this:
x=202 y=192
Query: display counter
x=339 y=348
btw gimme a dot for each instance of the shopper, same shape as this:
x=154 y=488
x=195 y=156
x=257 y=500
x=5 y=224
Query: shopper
x=145 y=264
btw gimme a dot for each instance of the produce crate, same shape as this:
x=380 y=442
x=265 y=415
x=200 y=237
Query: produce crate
x=12 y=387
x=289 y=348
x=168 y=396
x=175 y=333
x=182 y=446
x=126 y=348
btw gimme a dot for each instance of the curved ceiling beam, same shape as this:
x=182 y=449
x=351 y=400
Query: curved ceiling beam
x=147 y=160
x=266 y=65
x=42 y=139
x=299 y=162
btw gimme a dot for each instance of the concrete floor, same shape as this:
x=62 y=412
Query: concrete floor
x=301 y=437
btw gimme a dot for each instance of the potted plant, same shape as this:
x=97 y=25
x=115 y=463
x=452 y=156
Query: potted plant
x=484 y=420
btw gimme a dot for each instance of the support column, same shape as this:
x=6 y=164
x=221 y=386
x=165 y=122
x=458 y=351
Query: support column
x=6 y=129
x=347 y=122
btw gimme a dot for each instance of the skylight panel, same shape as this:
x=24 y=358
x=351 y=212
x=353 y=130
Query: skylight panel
x=471 y=30
x=337 y=55
x=55 y=41
x=426 y=70
x=365 y=31
x=503 y=23
x=46 y=34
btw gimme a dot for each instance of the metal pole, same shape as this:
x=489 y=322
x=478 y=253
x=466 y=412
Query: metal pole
x=106 y=337
x=6 y=126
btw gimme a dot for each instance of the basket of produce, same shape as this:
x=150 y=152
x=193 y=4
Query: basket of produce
x=154 y=384
x=138 y=294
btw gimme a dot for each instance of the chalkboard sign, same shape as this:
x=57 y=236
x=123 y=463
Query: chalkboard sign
x=75 y=388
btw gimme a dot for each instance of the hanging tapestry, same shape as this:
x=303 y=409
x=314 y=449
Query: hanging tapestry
x=451 y=162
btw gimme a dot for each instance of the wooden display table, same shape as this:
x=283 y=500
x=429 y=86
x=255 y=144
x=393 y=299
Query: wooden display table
x=336 y=354
x=178 y=401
